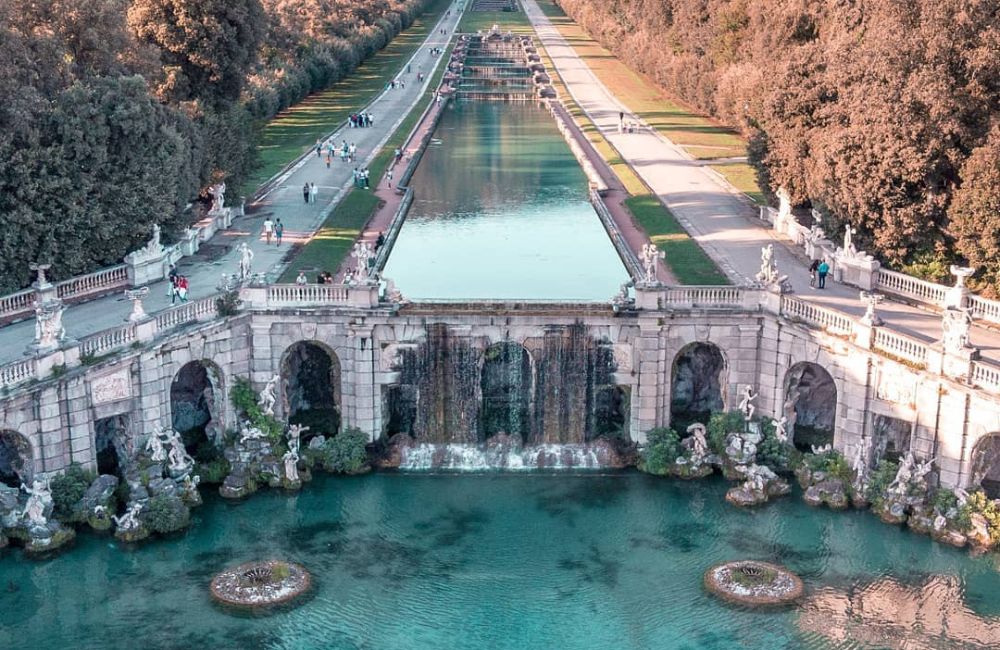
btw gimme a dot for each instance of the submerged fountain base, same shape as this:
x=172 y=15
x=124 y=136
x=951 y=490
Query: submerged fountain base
x=256 y=585
x=757 y=584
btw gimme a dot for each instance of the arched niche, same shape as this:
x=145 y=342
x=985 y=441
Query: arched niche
x=810 y=405
x=697 y=384
x=310 y=373
x=16 y=459
x=196 y=408
x=112 y=444
x=986 y=465
x=506 y=385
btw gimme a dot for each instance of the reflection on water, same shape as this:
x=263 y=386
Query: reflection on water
x=501 y=212
x=504 y=562
x=887 y=613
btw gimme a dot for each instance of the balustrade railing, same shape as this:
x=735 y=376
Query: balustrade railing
x=17 y=372
x=907 y=286
x=193 y=311
x=15 y=304
x=984 y=309
x=306 y=294
x=98 y=282
x=107 y=341
x=900 y=346
x=704 y=296
x=831 y=321
x=986 y=376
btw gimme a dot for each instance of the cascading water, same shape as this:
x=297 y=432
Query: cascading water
x=478 y=458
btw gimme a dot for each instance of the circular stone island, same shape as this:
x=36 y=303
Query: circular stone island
x=260 y=584
x=753 y=583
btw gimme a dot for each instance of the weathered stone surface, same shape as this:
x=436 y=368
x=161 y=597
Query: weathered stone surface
x=831 y=492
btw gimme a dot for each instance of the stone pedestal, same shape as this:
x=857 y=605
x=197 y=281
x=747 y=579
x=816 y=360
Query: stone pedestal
x=145 y=267
x=858 y=271
x=363 y=295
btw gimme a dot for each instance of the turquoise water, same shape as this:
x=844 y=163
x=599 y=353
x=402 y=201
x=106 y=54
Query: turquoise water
x=501 y=211
x=478 y=561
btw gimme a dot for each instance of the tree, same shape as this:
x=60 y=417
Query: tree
x=975 y=211
x=207 y=46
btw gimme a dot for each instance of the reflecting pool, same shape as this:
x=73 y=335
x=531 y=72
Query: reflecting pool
x=601 y=561
x=501 y=211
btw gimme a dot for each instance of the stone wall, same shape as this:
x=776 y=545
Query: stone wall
x=635 y=351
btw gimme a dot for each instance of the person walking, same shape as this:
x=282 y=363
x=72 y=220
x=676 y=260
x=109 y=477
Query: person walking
x=268 y=230
x=279 y=232
x=813 y=270
x=182 y=288
x=172 y=289
x=171 y=281
x=388 y=176
x=822 y=270
x=319 y=148
x=313 y=192
x=305 y=192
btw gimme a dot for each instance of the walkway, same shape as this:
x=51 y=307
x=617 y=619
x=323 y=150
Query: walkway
x=284 y=201
x=721 y=219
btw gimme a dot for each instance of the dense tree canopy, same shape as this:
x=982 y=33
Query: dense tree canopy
x=118 y=113
x=878 y=112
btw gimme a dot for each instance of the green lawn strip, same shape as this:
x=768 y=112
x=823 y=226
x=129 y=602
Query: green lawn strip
x=333 y=241
x=515 y=21
x=688 y=262
x=701 y=137
x=743 y=177
x=295 y=130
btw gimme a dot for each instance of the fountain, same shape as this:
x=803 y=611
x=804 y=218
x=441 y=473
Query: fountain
x=257 y=585
x=752 y=583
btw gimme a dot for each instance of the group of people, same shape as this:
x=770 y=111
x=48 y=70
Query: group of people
x=393 y=83
x=360 y=120
x=818 y=271
x=324 y=277
x=275 y=229
x=309 y=192
x=177 y=286
x=436 y=50
x=361 y=177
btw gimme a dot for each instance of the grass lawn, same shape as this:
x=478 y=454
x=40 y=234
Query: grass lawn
x=700 y=136
x=515 y=21
x=295 y=130
x=335 y=238
x=684 y=257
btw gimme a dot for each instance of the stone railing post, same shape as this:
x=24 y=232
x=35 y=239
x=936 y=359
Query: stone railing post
x=254 y=297
x=364 y=295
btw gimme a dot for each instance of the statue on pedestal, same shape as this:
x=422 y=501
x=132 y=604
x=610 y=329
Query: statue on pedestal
x=154 y=445
x=178 y=457
x=781 y=429
x=362 y=253
x=871 y=299
x=49 y=330
x=291 y=459
x=130 y=520
x=650 y=254
x=295 y=432
x=39 y=499
x=955 y=326
x=246 y=256
x=218 y=194
x=266 y=399
x=248 y=433
x=41 y=282
x=849 y=248
x=746 y=404
x=136 y=296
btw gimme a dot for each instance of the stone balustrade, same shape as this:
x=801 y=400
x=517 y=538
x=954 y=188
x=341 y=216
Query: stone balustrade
x=295 y=295
x=16 y=305
x=900 y=346
x=905 y=286
x=198 y=310
x=830 y=321
x=15 y=373
x=108 y=341
x=111 y=278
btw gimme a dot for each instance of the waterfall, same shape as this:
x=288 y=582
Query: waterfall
x=478 y=458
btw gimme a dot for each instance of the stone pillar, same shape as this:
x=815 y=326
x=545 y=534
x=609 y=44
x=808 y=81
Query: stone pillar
x=53 y=446
x=154 y=396
x=853 y=383
x=80 y=423
x=365 y=410
x=264 y=361
x=952 y=457
x=649 y=357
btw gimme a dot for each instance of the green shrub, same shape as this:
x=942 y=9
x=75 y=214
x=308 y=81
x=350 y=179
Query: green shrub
x=68 y=488
x=214 y=471
x=721 y=425
x=245 y=402
x=979 y=503
x=345 y=452
x=228 y=304
x=772 y=452
x=661 y=450
x=879 y=481
x=165 y=514
x=944 y=500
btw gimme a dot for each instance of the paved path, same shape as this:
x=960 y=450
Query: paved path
x=284 y=201
x=721 y=219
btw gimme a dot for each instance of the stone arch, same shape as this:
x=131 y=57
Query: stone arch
x=506 y=383
x=310 y=387
x=986 y=465
x=113 y=444
x=197 y=398
x=17 y=460
x=698 y=380
x=810 y=405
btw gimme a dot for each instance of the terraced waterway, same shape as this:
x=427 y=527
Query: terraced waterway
x=519 y=562
x=501 y=212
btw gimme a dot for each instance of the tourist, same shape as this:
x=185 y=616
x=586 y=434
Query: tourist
x=171 y=278
x=397 y=154
x=408 y=66
x=182 y=288
x=388 y=177
x=621 y=121
x=813 y=269
x=328 y=159
x=172 y=288
x=364 y=176
x=327 y=277
x=279 y=232
x=822 y=270
x=319 y=148
x=379 y=241
x=301 y=279
x=351 y=152
x=268 y=229
x=305 y=192
x=313 y=192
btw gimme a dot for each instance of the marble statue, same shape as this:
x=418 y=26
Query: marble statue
x=295 y=432
x=849 y=233
x=362 y=253
x=821 y=450
x=697 y=443
x=190 y=485
x=266 y=399
x=768 y=272
x=136 y=296
x=860 y=463
x=871 y=299
x=650 y=253
x=39 y=498
x=178 y=457
x=781 y=429
x=955 y=326
x=746 y=404
x=910 y=474
x=250 y=433
x=154 y=445
x=129 y=520
x=154 y=244
x=920 y=472
x=218 y=194
x=291 y=459
x=49 y=330
x=246 y=257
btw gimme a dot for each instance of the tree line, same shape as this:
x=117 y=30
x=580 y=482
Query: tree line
x=878 y=113
x=118 y=114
